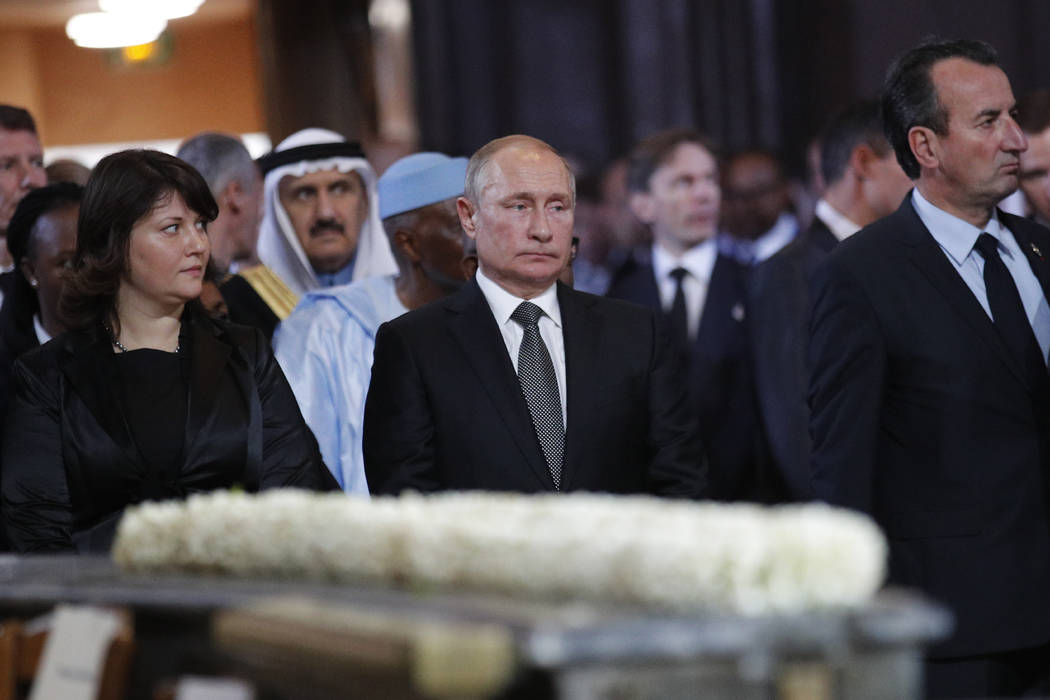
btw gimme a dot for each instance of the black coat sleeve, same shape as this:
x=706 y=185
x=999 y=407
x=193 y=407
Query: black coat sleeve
x=290 y=455
x=399 y=427
x=36 y=505
x=677 y=464
x=847 y=361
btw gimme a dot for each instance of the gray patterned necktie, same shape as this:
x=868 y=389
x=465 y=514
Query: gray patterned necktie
x=540 y=386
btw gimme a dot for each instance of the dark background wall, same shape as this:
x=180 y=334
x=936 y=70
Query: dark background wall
x=593 y=76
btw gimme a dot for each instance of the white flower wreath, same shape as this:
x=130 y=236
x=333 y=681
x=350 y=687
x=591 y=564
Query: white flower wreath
x=666 y=554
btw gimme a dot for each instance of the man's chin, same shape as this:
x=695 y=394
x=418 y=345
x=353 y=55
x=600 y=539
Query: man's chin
x=694 y=238
x=329 y=265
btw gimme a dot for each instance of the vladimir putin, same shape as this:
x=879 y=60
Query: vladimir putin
x=510 y=384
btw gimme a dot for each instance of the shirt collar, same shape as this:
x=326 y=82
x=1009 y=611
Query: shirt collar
x=955 y=236
x=698 y=260
x=41 y=334
x=779 y=235
x=503 y=303
x=841 y=226
x=341 y=276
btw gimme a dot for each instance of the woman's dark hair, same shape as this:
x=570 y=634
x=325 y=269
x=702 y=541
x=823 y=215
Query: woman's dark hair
x=909 y=97
x=123 y=188
x=21 y=302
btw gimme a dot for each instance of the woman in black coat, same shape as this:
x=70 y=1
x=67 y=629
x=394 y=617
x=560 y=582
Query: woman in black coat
x=147 y=398
x=42 y=238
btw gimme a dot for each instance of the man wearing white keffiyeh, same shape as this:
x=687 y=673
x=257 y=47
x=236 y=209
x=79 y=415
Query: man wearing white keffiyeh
x=321 y=222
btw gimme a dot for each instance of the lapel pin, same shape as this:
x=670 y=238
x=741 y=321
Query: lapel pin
x=737 y=312
x=1035 y=249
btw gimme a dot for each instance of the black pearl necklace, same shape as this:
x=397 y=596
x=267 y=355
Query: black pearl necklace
x=123 y=348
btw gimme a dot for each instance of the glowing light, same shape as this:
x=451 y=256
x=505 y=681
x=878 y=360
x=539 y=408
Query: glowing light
x=164 y=9
x=105 y=30
x=390 y=14
x=140 y=52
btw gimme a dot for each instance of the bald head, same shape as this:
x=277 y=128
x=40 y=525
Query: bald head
x=479 y=162
x=518 y=207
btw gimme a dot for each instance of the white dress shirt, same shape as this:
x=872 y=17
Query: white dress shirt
x=41 y=334
x=957 y=239
x=779 y=235
x=503 y=304
x=841 y=226
x=699 y=262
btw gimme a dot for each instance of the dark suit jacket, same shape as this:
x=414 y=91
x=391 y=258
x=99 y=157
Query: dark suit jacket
x=718 y=375
x=778 y=316
x=445 y=409
x=17 y=334
x=71 y=464
x=246 y=307
x=924 y=419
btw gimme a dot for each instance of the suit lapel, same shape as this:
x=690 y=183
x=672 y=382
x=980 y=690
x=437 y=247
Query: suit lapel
x=1035 y=254
x=927 y=256
x=723 y=307
x=583 y=342
x=648 y=291
x=92 y=375
x=209 y=357
x=472 y=325
x=821 y=236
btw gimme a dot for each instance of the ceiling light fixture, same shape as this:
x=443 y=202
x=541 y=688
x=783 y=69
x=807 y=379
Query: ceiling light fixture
x=106 y=30
x=165 y=9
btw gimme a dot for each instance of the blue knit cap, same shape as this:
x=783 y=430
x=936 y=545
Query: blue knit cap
x=418 y=180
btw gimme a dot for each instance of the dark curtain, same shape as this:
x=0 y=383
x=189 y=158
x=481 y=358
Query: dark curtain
x=592 y=77
x=317 y=67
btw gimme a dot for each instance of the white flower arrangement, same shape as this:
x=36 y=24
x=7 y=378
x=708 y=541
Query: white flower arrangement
x=673 y=555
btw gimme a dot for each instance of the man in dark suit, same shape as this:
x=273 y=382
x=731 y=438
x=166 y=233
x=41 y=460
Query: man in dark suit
x=1033 y=114
x=865 y=183
x=516 y=382
x=672 y=178
x=758 y=213
x=929 y=392
x=23 y=170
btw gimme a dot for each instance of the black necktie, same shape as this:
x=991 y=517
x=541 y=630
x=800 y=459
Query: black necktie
x=677 y=318
x=1007 y=309
x=540 y=386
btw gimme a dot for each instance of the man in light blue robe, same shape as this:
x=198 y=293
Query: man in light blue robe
x=325 y=345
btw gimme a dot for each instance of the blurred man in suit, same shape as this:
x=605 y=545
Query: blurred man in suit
x=929 y=392
x=1033 y=114
x=672 y=177
x=758 y=212
x=508 y=384
x=235 y=182
x=21 y=166
x=864 y=183
x=238 y=286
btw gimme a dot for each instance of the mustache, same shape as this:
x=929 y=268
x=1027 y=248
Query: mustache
x=327 y=224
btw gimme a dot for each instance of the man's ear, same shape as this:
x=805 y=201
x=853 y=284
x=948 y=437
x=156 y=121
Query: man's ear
x=861 y=160
x=467 y=213
x=924 y=146
x=232 y=197
x=28 y=272
x=643 y=206
x=405 y=243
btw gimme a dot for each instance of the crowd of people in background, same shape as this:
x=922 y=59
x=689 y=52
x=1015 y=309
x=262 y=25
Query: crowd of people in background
x=691 y=324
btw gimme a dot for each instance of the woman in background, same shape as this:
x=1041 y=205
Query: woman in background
x=146 y=398
x=42 y=238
